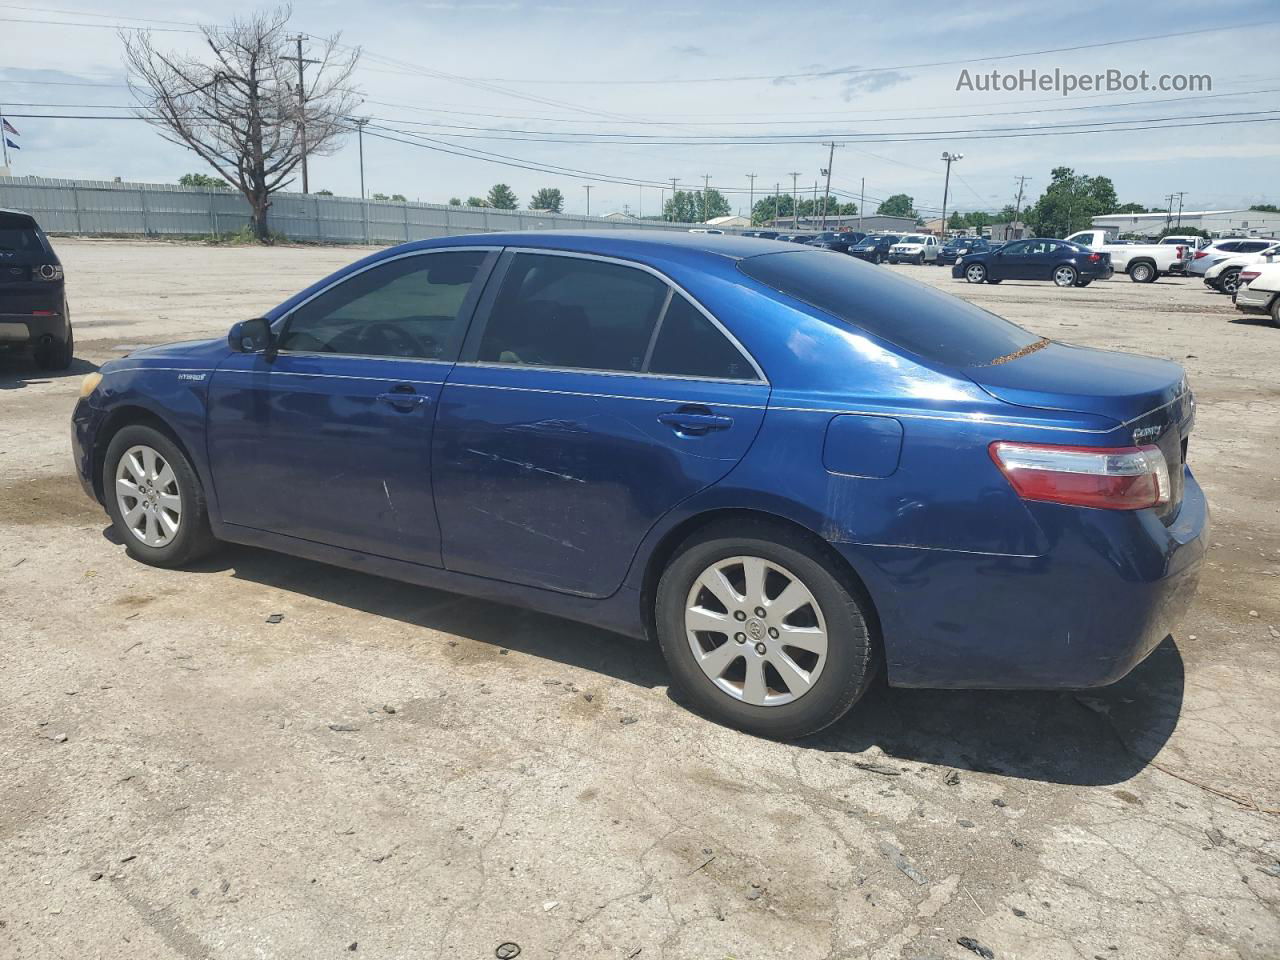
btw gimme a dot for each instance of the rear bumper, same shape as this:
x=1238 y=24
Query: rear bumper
x=28 y=327
x=1254 y=301
x=1111 y=587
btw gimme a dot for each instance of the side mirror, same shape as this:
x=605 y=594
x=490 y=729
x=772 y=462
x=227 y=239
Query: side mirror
x=250 y=336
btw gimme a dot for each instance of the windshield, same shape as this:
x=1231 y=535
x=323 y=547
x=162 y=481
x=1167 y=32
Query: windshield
x=927 y=322
x=19 y=234
x=912 y=239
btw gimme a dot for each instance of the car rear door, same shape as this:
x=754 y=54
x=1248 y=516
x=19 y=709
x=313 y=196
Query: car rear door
x=591 y=398
x=329 y=440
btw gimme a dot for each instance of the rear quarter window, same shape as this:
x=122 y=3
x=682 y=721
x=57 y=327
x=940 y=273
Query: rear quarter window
x=923 y=321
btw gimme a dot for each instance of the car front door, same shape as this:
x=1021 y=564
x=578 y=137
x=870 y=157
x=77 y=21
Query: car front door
x=1007 y=262
x=329 y=439
x=591 y=398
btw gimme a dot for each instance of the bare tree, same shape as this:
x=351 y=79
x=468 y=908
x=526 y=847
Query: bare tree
x=240 y=107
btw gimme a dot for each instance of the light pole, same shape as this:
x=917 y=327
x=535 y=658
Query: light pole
x=795 y=202
x=950 y=158
x=751 y=203
x=587 y=187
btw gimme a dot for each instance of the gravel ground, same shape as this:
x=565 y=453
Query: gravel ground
x=397 y=772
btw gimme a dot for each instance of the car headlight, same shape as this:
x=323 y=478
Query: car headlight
x=90 y=383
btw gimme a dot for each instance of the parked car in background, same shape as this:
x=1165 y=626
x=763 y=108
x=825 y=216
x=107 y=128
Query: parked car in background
x=803 y=237
x=34 y=314
x=1224 y=276
x=712 y=230
x=762 y=234
x=874 y=248
x=1224 y=249
x=1143 y=262
x=915 y=248
x=1040 y=258
x=1190 y=244
x=591 y=424
x=1259 y=291
x=957 y=247
x=840 y=242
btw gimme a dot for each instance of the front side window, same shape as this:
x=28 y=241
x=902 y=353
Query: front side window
x=410 y=307
x=572 y=312
x=1022 y=246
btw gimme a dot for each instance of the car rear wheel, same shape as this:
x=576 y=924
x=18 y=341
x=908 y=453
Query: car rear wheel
x=1229 y=282
x=154 y=498
x=1275 y=311
x=1065 y=276
x=56 y=354
x=761 y=633
x=1142 y=273
x=975 y=273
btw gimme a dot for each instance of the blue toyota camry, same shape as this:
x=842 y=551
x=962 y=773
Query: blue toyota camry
x=787 y=467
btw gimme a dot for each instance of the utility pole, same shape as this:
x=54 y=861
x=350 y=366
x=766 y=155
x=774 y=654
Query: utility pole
x=302 y=62
x=673 y=199
x=862 y=201
x=950 y=158
x=1017 y=207
x=831 y=156
x=795 y=202
x=4 y=141
x=706 y=185
x=751 y=204
x=1168 y=210
x=360 y=122
x=587 y=187
x=1181 y=194
x=777 y=193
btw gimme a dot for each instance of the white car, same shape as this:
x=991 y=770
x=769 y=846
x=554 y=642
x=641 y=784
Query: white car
x=915 y=248
x=1189 y=243
x=1259 y=291
x=1224 y=276
x=1202 y=260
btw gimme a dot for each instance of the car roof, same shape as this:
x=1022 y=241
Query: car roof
x=628 y=244
x=18 y=214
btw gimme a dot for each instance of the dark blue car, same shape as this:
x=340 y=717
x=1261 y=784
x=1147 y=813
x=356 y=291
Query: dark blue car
x=785 y=466
x=957 y=247
x=875 y=248
x=1065 y=263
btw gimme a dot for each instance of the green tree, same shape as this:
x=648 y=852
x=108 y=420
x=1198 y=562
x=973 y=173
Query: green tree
x=379 y=196
x=548 y=198
x=1131 y=208
x=203 y=180
x=399 y=196
x=476 y=202
x=687 y=206
x=501 y=197
x=774 y=205
x=899 y=205
x=1175 y=231
x=1009 y=214
x=324 y=193
x=455 y=201
x=1265 y=208
x=1069 y=202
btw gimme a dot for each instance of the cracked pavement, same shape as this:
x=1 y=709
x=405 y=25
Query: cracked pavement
x=423 y=775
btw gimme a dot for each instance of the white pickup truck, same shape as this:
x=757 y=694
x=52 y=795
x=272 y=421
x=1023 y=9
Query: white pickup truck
x=1143 y=262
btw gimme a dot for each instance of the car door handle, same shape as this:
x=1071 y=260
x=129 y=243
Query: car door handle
x=403 y=398
x=695 y=422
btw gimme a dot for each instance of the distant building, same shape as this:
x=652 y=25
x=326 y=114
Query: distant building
x=617 y=215
x=723 y=222
x=1004 y=232
x=1216 y=223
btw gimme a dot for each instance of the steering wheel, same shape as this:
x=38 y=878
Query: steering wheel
x=398 y=341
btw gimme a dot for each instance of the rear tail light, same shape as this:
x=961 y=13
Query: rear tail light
x=1199 y=254
x=1095 y=257
x=1247 y=275
x=1112 y=478
x=1182 y=252
x=47 y=271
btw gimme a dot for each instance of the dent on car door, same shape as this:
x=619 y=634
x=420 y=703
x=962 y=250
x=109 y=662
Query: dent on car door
x=329 y=440
x=591 y=399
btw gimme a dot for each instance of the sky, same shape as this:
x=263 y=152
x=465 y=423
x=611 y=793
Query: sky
x=533 y=75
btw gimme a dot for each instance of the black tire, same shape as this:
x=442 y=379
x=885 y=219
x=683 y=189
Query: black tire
x=920 y=260
x=977 y=273
x=993 y=280
x=1275 y=312
x=851 y=658
x=893 y=262
x=57 y=354
x=1083 y=283
x=193 y=537
x=878 y=258
x=1229 y=281
x=1143 y=272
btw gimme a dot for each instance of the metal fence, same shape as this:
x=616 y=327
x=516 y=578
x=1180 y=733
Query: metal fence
x=101 y=208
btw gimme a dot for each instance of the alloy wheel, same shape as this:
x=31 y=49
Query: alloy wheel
x=148 y=496
x=756 y=631
x=975 y=273
x=1064 y=277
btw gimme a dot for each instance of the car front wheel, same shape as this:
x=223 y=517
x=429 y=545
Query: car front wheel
x=1229 y=282
x=154 y=498
x=975 y=273
x=761 y=633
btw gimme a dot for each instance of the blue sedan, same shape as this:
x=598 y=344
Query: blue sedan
x=1066 y=264
x=787 y=468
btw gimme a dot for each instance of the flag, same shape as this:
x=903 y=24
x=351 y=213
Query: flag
x=11 y=145
x=8 y=128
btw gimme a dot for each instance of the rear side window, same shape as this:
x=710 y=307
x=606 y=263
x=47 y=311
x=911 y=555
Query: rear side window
x=1254 y=246
x=930 y=324
x=690 y=345
x=1231 y=246
x=572 y=312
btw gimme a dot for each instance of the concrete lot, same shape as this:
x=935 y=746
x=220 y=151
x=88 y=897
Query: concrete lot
x=403 y=773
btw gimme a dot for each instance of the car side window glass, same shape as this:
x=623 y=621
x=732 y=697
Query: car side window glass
x=409 y=307
x=1231 y=246
x=690 y=345
x=1020 y=247
x=573 y=312
x=1254 y=246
